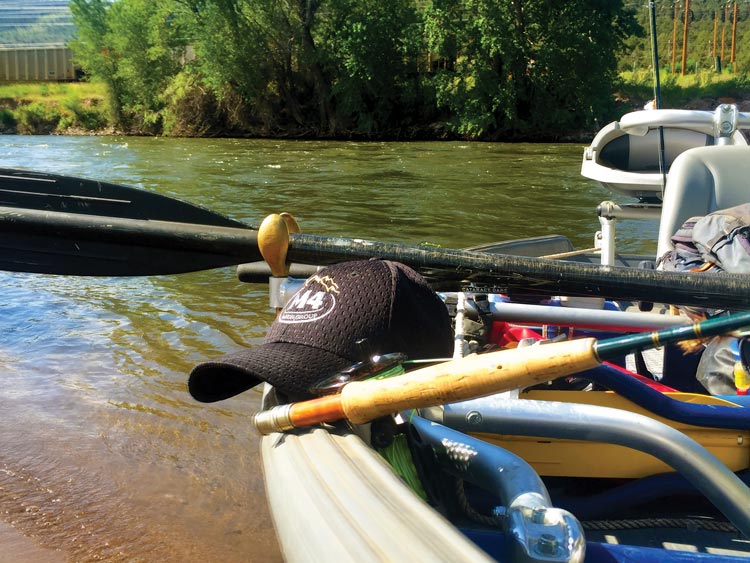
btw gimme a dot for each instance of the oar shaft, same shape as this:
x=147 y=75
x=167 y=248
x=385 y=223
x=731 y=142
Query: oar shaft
x=504 y=273
x=129 y=231
x=226 y=240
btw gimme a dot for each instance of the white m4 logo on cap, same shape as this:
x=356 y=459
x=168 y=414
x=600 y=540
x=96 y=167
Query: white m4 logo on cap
x=307 y=300
x=307 y=306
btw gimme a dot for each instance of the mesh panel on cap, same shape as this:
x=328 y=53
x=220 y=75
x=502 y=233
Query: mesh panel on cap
x=420 y=324
x=361 y=311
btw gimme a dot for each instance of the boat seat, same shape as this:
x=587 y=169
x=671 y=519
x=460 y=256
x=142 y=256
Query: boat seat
x=641 y=153
x=700 y=181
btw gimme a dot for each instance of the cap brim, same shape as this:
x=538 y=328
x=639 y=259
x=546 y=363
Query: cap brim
x=291 y=368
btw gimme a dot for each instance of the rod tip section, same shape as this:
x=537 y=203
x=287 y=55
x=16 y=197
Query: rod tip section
x=273 y=242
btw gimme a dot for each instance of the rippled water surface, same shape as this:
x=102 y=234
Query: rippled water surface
x=104 y=454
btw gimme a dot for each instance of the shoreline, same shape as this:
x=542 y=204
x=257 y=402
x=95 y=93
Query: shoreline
x=432 y=132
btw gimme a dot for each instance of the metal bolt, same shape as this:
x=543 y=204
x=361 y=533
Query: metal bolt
x=537 y=514
x=547 y=544
x=499 y=512
x=474 y=418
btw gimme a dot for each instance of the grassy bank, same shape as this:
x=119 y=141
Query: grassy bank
x=37 y=108
x=693 y=91
x=41 y=108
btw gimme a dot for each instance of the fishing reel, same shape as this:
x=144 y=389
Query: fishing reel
x=380 y=432
x=376 y=365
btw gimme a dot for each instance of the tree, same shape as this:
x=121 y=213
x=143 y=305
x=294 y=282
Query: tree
x=92 y=50
x=371 y=51
x=524 y=67
x=249 y=55
x=482 y=68
x=147 y=45
x=322 y=66
x=573 y=60
x=132 y=46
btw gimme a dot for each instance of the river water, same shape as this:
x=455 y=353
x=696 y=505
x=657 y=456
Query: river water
x=105 y=456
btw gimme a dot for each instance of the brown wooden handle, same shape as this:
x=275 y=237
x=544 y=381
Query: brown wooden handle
x=297 y=415
x=322 y=409
x=467 y=378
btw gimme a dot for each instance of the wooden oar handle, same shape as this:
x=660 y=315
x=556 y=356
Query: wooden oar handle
x=449 y=382
x=273 y=242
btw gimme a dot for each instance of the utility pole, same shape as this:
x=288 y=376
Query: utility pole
x=723 y=28
x=674 y=33
x=734 y=36
x=685 y=37
x=716 y=27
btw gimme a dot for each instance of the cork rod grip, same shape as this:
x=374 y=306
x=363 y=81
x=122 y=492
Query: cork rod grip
x=467 y=378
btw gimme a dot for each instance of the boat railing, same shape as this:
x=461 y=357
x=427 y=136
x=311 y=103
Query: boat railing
x=609 y=212
x=538 y=531
x=721 y=123
x=571 y=421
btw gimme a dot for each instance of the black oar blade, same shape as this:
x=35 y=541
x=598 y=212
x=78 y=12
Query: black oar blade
x=57 y=224
x=53 y=192
x=19 y=253
x=54 y=242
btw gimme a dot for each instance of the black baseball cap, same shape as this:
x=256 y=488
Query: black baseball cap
x=374 y=305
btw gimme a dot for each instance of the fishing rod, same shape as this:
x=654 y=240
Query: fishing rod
x=477 y=376
x=657 y=94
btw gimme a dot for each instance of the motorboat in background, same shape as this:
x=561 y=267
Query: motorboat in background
x=629 y=157
x=624 y=156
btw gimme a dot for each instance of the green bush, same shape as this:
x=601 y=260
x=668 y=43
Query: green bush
x=7 y=120
x=88 y=115
x=684 y=92
x=37 y=119
x=189 y=109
